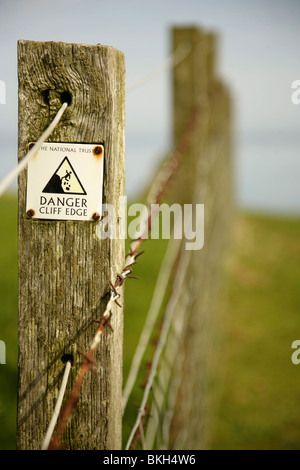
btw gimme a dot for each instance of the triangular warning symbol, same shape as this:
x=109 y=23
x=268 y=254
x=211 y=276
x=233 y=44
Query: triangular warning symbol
x=64 y=180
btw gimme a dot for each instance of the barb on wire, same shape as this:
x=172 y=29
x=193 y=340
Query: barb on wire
x=22 y=164
x=140 y=435
x=134 y=253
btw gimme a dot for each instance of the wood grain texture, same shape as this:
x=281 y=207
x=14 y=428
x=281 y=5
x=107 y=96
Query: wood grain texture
x=64 y=268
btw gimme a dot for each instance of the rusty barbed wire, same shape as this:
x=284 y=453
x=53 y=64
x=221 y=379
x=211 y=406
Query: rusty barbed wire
x=139 y=435
x=130 y=260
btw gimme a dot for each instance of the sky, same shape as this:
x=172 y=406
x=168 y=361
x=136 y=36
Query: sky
x=257 y=57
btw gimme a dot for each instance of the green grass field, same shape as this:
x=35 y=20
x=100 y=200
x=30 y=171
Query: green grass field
x=259 y=386
x=8 y=320
x=256 y=384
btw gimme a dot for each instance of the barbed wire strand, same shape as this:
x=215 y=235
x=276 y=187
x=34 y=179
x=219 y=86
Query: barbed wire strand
x=168 y=367
x=33 y=151
x=155 y=306
x=143 y=441
x=158 y=392
x=88 y=358
x=138 y=436
x=174 y=59
x=57 y=406
x=178 y=283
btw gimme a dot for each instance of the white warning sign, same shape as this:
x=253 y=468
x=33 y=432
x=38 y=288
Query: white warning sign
x=65 y=182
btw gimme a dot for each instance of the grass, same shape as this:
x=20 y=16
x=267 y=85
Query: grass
x=259 y=406
x=8 y=320
x=256 y=384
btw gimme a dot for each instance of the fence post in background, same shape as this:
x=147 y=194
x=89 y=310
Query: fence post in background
x=64 y=268
x=203 y=178
x=189 y=93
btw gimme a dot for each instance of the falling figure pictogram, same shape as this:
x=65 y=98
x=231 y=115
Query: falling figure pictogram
x=64 y=180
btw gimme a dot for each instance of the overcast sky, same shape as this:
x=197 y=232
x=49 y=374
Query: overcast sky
x=258 y=57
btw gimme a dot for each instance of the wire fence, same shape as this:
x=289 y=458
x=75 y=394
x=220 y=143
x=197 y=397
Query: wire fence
x=88 y=358
x=176 y=406
x=159 y=421
x=178 y=284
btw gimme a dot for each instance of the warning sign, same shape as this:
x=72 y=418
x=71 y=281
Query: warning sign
x=64 y=182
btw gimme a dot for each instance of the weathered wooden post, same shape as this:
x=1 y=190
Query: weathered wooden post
x=64 y=268
x=202 y=179
x=189 y=88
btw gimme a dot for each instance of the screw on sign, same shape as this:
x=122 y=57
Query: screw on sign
x=96 y=217
x=98 y=151
x=30 y=213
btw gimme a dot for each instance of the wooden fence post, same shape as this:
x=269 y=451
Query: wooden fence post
x=203 y=178
x=64 y=268
x=189 y=83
